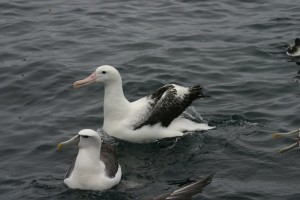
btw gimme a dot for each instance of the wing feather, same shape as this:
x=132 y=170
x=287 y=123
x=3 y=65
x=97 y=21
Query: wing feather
x=186 y=192
x=167 y=103
x=108 y=155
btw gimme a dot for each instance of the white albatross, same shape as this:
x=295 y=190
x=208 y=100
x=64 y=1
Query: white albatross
x=153 y=117
x=95 y=167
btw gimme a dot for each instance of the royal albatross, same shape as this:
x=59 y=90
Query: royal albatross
x=292 y=134
x=95 y=167
x=153 y=117
x=293 y=50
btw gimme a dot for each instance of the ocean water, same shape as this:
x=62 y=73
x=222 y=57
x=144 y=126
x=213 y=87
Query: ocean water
x=233 y=48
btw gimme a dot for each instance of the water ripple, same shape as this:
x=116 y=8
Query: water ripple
x=233 y=49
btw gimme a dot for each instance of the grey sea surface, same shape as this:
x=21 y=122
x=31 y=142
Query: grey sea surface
x=233 y=48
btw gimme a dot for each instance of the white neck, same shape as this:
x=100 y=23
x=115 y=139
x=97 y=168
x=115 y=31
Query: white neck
x=87 y=170
x=116 y=106
x=87 y=159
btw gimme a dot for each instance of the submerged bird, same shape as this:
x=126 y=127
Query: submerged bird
x=153 y=117
x=293 y=134
x=185 y=192
x=293 y=50
x=95 y=167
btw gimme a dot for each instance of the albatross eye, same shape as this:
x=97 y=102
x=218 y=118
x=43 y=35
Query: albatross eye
x=85 y=136
x=103 y=72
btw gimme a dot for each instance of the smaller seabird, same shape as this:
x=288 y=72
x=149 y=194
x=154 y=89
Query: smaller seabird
x=95 y=167
x=155 y=116
x=293 y=50
x=293 y=134
x=185 y=192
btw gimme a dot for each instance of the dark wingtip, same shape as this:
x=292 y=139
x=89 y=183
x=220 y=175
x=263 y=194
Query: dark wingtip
x=202 y=96
x=286 y=45
x=207 y=180
x=188 y=191
x=209 y=177
x=192 y=189
x=196 y=87
x=297 y=41
x=197 y=92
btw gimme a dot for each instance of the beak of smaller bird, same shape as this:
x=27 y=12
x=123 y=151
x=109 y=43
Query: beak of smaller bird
x=90 y=79
x=292 y=134
x=72 y=141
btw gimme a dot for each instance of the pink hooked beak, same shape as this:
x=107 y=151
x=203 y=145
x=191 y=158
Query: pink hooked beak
x=90 y=79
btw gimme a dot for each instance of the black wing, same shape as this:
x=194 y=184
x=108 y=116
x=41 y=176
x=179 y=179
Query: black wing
x=166 y=104
x=108 y=155
x=186 y=192
x=71 y=168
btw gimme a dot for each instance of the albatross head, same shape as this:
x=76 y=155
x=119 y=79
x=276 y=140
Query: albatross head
x=89 y=138
x=86 y=138
x=105 y=74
